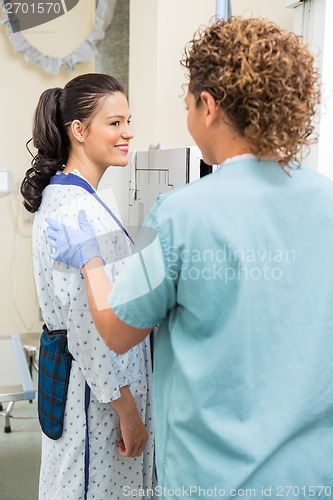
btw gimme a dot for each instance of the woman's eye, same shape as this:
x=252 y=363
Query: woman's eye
x=116 y=124
x=129 y=122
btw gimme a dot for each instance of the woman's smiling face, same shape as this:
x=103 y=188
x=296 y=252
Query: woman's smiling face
x=106 y=140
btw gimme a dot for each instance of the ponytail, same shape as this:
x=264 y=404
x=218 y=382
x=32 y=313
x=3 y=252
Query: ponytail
x=50 y=138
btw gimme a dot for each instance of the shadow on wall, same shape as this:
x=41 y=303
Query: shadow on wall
x=113 y=51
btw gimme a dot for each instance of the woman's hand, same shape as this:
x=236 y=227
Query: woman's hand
x=134 y=436
x=133 y=432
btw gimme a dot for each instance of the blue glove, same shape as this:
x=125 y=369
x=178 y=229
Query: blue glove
x=73 y=247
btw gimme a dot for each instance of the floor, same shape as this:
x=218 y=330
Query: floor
x=20 y=449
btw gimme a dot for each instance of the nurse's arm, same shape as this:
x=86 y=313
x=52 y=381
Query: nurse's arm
x=118 y=335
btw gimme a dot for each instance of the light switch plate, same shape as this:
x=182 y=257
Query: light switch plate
x=5 y=181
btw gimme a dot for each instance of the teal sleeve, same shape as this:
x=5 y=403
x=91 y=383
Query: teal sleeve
x=146 y=288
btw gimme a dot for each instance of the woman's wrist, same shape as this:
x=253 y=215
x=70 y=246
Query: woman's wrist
x=125 y=406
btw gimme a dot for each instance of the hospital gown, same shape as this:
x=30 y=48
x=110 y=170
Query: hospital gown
x=63 y=301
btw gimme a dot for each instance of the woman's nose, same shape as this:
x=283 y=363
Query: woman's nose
x=127 y=132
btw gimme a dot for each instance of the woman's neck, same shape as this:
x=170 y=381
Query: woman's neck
x=89 y=171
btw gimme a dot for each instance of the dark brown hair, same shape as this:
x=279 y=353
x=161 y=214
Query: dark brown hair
x=56 y=109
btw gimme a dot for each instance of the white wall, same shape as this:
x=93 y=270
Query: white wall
x=325 y=151
x=313 y=20
x=159 y=31
x=275 y=10
x=20 y=87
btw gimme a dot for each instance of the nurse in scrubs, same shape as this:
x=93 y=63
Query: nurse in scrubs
x=238 y=274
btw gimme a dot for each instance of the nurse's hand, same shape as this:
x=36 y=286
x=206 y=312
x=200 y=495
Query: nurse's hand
x=72 y=247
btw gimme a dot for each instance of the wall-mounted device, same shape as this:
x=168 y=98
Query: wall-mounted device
x=149 y=174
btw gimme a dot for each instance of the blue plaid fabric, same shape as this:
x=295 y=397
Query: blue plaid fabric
x=53 y=376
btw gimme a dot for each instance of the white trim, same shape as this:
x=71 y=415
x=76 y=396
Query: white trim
x=85 y=52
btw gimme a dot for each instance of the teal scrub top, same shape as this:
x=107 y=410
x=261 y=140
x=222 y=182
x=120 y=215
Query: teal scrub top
x=237 y=271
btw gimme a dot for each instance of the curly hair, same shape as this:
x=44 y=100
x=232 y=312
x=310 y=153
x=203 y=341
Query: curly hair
x=264 y=79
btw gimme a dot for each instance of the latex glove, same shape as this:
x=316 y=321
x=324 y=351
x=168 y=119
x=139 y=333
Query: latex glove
x=73 y=247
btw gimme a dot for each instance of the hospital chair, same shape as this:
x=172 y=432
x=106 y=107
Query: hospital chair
x=16 y=365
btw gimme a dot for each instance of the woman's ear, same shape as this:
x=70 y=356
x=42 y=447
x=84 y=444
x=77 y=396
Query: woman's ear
x=211 y=109
x=77 y=130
